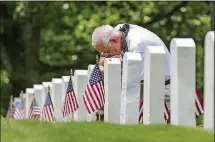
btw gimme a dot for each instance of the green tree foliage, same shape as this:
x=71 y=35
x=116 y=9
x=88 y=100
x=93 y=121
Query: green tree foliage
x=43 y=40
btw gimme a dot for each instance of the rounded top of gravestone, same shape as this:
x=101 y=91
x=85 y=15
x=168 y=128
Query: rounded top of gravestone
x=65 y=78
x=90 y=66
x=182 y=42
x=38 y=86
x=29 y=90
x=209 y=37
x=56 y=80
x=81 y=72
x=132 y=56
x=112 y=61
x=46 y=83
x=16 y=99
x=155 y=49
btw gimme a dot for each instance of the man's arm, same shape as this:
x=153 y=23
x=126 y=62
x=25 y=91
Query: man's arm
x=101 y=65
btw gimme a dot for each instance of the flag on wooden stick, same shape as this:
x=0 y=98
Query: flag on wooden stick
x=11 y=109
x=48 y=109
x=70 y=103
x=34 y=112
x=94 y=92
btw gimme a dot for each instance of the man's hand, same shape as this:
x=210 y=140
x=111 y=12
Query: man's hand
x=101 y=61
x=102 y=70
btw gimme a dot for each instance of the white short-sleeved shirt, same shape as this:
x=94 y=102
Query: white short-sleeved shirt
x=138 y=38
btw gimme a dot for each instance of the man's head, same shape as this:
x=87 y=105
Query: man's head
x=106 y=39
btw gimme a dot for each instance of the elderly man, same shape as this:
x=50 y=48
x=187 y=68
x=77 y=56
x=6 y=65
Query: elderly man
x=114 y=42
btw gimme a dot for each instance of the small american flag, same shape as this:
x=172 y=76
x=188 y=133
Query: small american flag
x=48 y=109
x=70 y=103
x=35 y=111
x=94 y=93
x=166 y=112
x=11 y=110
x=199 y=104
x=19 y=111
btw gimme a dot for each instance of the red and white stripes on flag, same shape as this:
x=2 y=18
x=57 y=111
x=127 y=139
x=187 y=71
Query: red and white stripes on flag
x=94 y=93
x=48 y=110
x=35 y=111
x=166 y=112
x=141 y=112
x=11 y=110
x=18 y=114
x=70 y=103
x=19 y=111
x=199 y=104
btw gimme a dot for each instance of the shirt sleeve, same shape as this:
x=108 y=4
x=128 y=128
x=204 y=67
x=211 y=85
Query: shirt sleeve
x=140 y=49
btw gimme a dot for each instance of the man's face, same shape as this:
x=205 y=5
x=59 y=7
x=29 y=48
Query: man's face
x=112 y=48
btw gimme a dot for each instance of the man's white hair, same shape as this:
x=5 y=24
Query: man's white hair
x=101 y=35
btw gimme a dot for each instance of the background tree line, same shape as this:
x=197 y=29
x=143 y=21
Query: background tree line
x=43 y=40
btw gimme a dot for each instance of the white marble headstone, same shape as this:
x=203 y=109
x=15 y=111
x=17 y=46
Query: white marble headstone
x=16 y=101
x=209 y=82
x=92 y=116
x=65 y=81
x=112 y=85
x=45 y=86
x=29 y=96
x=23 y=97
x=80 y=82
x=183 y=81
x=56 y=92
x=39 y=94
x=130 y=94
x=154 y=84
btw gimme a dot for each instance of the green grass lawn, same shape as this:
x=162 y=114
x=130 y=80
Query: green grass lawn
x=35 y=131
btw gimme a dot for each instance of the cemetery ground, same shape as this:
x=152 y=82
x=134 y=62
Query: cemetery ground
x=36 y=131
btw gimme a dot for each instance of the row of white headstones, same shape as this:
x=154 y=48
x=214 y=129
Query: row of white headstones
x=122 y=97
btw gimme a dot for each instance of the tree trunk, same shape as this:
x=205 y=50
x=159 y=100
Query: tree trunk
x=31 y=36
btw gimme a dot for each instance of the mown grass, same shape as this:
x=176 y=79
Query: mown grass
x=35 y=131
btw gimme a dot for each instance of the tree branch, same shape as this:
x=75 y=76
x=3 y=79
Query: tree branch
x=45 y=67
x=167 y=14
x=6 y=60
